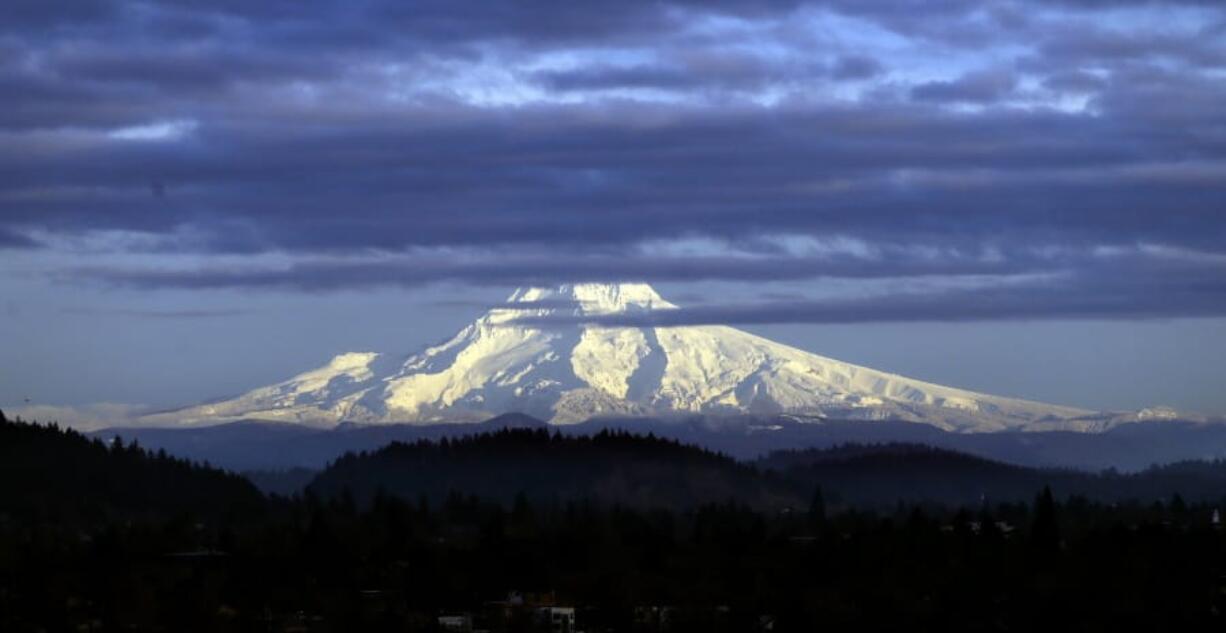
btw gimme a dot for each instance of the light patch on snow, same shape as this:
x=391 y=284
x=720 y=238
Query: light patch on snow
x=607 y=358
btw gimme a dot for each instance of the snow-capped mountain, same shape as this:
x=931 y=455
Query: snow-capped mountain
x=570 y=373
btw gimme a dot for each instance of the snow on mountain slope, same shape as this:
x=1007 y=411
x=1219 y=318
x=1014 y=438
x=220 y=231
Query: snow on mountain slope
x=307 y=397
x=569 y=373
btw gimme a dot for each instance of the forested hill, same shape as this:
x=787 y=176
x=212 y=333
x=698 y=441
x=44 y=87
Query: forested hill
x=611 y=466
x=868 y=475
x=49 y=473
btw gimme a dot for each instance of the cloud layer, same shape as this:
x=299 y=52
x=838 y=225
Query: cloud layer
x=188 y=144
x=1140 y=293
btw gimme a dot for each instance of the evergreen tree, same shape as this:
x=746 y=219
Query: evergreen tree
x=817 y=510
x=1045 y=530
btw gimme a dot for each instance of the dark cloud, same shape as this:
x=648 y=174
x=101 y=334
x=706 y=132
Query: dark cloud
x=203 y=313
x=1124 y=291
x=24 y=14
x=605 y=176
x=562 y=267
x=602 y=78
x=347 y=25
x=1082 y=45
x=977 y=87
x=1137 y=284
x=1075 y=81
x=189 y=71
x=287 y=132
x=729 y=72
x=856 y=67
x=15 y=239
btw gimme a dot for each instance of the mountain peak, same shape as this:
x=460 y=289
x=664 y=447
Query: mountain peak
x=570 y=374
x=593 y=298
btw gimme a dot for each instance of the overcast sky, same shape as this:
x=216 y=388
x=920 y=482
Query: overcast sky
x=1021 y=197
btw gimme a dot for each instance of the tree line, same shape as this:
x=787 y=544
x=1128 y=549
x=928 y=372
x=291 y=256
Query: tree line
x=198 y=550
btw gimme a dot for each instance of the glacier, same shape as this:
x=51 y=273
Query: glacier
x=507 y=360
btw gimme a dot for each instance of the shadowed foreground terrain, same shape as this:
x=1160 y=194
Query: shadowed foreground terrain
x=880 y=475
x=683 y=540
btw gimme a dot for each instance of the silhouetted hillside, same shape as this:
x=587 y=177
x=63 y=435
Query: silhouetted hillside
x=1128 y=447
x=610 y=466
x=859 y=474
x=885 y=474
x=56 y=474
x=279 y=446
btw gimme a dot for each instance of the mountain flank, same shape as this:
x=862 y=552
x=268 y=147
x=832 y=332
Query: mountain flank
x=545 y=353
